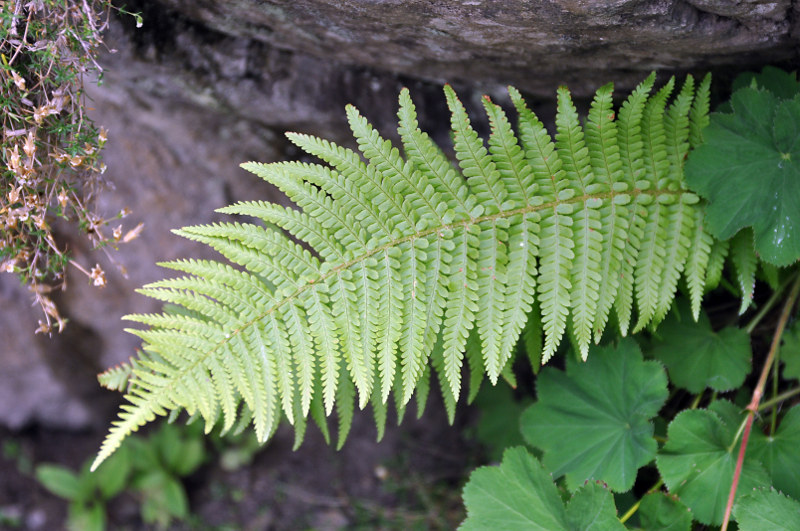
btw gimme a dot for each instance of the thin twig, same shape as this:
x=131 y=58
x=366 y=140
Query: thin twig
x=758 y=392
x=635 y=507
x=767 y=306
x=780 y=398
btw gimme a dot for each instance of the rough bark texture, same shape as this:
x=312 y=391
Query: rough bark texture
x=205 y=85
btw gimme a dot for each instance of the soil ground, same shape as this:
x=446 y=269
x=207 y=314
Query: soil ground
x=412 y=479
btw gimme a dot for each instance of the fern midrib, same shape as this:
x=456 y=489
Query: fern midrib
x=153 y=397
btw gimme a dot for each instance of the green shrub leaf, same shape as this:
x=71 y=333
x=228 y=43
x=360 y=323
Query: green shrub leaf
x=592 y=507
x=82 y=517
x=593 y=422
x=520 y=494
x=697 y=357
x=662 y=512
x=112 y=478
x=60 y=481
x=699 y=459
x=782 y=84
x=164 y=498
x=779 y=453
x=766 y=509
x=749 y=169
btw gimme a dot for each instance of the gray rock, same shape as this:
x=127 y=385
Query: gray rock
x=534 y=44
x=30 y=389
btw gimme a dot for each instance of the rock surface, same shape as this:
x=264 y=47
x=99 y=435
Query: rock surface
x=535 y=44
x=205 y=85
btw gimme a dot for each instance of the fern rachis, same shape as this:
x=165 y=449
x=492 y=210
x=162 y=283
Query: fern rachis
x=412 y=263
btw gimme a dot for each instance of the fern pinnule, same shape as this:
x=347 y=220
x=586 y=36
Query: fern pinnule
x=394 y=268
x=431 y=162
x=555 y=234
x=699 y=254
x=632 y=155
x=652 y=254
x=745 y=262
x=681 y=220
x=601 y=140
x=522 y=232
x=585 y=276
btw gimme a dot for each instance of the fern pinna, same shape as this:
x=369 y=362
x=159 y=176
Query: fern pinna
x=409 y=265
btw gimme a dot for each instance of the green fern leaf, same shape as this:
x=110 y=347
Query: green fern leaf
x=116 y=378
x=431 y=162
x=745 y=263
x=631 y=149
x=698 y=263
x=601 y=140
x=555 y=235
x=397 y=266
x=651 y=262
x=522 y=233
x=585 y=272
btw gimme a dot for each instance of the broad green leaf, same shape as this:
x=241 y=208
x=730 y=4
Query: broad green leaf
x=182 y=451
x=592 y=508
x=520 y=494
x=780 y=454
x=765 y=509
x=112 y=477
x=60 y=481
x=191 y=456
x=790 y=352
x=749 y=170
x=698 y=461
x=782 y=84
x=594 y=421
x=662 y=512
x=697 y=357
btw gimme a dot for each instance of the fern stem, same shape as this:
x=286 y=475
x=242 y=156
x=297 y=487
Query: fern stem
x=774 y=417
x=696 y=401
x=752 y=408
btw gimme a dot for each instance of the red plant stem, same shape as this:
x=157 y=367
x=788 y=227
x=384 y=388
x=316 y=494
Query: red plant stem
x=752 y=408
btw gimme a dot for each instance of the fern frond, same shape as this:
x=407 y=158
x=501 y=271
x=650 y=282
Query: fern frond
x=395 y=267
x=745 y=262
